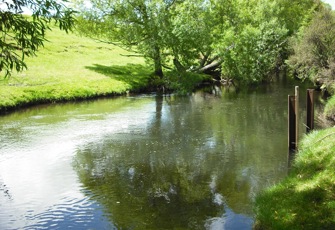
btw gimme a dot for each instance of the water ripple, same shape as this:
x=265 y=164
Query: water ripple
x=72 y=213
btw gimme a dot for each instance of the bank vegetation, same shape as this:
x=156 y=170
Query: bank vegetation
x=305 y=199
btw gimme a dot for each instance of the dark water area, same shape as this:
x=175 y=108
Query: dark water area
x=144 y=162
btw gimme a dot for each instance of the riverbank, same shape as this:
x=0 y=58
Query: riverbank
x=70 y=67
x=305 y=199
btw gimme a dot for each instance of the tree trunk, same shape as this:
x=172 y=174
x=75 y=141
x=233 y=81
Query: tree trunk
x=204 y=59
x=178 y=65
x=211 y=66
x=158 y=63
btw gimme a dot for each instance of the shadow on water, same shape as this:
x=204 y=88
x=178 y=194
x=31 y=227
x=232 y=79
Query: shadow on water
x=135 y=75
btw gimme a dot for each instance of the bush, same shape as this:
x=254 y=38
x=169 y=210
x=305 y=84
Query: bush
x=314 y=51
x=254 y=53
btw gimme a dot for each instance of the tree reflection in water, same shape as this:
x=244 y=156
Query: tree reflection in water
x=196 y=165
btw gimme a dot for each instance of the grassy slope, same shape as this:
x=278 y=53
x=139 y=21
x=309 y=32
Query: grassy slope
x=71 y=67
x=306 y=198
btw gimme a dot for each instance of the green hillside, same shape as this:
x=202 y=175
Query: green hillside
x=71 y=67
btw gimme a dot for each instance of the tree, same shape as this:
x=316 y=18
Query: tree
x=22 y=35
x=169 y=33
x=253 y=38
x=251 y=41
x=314 y=50
x=245 y=39
x=131 y=23
x=294 y=13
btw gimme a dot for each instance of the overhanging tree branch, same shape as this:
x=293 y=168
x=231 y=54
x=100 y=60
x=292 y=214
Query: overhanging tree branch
x=22 y=36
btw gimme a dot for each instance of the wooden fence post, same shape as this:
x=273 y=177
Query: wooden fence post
x=296 y=116
x=310 y=110
x=291 y=123
x=293 y=120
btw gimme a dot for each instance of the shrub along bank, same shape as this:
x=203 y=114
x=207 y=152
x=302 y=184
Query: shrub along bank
x=306 y=198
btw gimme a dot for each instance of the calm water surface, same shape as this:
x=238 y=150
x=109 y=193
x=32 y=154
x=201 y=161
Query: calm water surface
x=143 y=162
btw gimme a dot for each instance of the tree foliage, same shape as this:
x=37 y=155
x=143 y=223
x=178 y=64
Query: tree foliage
x=254 y=43
x=314 y=50
x=21 y=35
x=293 y=13
x=243 y=39
x=165 y=32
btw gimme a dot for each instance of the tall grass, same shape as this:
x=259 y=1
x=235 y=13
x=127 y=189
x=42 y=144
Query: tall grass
x=306 y=198
x=330 y=108
x=71 y=67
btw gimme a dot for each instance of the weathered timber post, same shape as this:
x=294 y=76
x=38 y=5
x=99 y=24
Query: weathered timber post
x=310 y=110
x=291 y=123
x=296 y=116
x=293 y=120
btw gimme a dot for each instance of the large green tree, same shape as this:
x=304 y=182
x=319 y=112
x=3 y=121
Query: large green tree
x=169 y=33
x=245 y=39
x=21 y=36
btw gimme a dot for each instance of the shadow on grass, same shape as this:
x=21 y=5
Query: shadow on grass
x=136 y=75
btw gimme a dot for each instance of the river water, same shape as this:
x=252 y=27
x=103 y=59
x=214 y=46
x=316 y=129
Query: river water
x=143 y=162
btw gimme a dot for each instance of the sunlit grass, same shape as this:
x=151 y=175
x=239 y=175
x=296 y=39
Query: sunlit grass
x=66 y=69
x=306 y=198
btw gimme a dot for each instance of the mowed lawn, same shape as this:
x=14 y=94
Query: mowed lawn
x=71 y=67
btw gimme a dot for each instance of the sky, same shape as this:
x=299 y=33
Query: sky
x=330 y=2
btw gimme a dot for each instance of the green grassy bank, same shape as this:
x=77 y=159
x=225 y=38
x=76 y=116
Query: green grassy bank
x=306 y=198
x=70 y=67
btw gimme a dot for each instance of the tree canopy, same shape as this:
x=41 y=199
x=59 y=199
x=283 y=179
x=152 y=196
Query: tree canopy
x=244 y=40
x=22 y=35
x=164 y=32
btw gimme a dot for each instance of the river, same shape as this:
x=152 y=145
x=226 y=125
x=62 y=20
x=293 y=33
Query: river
x=145 y=161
